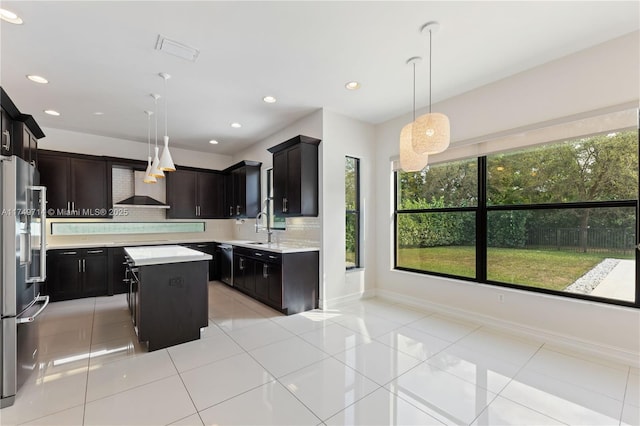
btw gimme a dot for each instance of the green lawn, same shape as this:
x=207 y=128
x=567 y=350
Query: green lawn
x=545 y=269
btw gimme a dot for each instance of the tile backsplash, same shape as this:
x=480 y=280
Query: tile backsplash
x=300 y=231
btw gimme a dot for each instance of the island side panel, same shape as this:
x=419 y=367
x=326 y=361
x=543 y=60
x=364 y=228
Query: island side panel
x=172 y=303
x=300 y=281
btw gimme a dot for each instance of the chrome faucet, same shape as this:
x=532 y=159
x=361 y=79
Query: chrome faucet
x=265 y=212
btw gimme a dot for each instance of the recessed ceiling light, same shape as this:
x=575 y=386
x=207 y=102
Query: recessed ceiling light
x=98 y=113
x=9 y=16
x=269 y=99
x=37 y=79
x=352 y=85
x=213 y=142
x=51 y=112
x=236 y=125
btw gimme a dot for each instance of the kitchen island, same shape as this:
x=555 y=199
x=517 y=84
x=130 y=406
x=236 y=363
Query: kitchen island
x=168 y=296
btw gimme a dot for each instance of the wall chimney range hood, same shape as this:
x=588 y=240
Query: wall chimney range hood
x=145 y=195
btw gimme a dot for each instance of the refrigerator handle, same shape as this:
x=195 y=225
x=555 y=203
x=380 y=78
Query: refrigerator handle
x=33 y=317
x=7 y=140
x=43 y=234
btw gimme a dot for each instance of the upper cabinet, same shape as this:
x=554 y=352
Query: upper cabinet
x=242 y=188
x=19 y=132
x=195 y=194
x=295 y=177
x=77 y=186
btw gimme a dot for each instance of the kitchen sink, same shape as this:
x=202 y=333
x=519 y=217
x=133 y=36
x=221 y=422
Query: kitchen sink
x=256 y=242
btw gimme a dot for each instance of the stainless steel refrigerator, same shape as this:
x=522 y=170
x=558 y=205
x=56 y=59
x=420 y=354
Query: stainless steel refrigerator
x=22 y=268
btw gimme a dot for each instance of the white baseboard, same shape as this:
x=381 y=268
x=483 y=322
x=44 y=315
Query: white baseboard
x=548 y=337
x=337 y=301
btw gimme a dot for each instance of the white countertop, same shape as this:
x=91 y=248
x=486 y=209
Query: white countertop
x=157 y=255
x=274 y=247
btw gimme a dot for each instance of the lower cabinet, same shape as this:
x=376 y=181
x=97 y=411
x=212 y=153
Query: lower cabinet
x=72 y=274
x=287 y=282
x=212 y=249
x=117 y=269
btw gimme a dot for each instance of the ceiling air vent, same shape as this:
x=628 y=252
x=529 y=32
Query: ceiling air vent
x=176 y=48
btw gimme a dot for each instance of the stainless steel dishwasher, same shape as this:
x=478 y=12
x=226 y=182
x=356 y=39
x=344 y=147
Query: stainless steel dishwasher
x=226 y=263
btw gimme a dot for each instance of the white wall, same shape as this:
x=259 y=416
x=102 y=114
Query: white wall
x=595 y=79
x=344 y=136
x=84 y=143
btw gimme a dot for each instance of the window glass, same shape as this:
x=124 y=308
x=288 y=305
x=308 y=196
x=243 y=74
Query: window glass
x=352 y=212
x=560 y=218
x=276 y=222
x=598 y=168
x=442 y=242
x=453 y=184
x=582 y=250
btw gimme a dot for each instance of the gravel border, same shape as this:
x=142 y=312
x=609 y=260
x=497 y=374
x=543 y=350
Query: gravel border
x=589 y=281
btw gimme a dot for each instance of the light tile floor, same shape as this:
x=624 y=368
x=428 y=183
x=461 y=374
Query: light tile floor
x=368 y=363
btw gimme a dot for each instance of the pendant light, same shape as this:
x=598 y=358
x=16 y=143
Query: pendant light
x=411 y=161
x=148 y=178
x=431 y=131
x=155 y=169
x=166 y=162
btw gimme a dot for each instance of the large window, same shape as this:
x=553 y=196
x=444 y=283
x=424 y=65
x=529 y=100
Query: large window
x=558 y=218
x=352 y=212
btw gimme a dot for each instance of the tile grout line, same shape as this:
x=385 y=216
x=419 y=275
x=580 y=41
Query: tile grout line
x=624 y=396
x=185 y=388
x=86 y=385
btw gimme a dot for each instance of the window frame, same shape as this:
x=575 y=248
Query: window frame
x=482 y=212
x=358 y=216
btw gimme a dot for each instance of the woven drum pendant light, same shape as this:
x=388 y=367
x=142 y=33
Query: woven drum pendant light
x=148 y=178
x=411 y=161
x=431 y=132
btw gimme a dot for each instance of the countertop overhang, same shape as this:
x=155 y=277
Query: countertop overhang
x=274 y=247
x=158 y=255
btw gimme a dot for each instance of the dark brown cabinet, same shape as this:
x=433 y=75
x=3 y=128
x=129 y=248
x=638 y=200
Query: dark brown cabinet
x=6 y=126
x=25 y=142
x=72 y=274
x=195 y=194
x=242 y=188
x=117 y=269
x=19 y=133
x=295 y=177
x=212 y=249
x=77 y=186
x=288 y=282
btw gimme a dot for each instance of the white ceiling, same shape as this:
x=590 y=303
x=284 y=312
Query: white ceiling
x=100 y=56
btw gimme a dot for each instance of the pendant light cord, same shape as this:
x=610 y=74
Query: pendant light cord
x=156 y=120
x=414 y=91
x=429 y=71
x=165 y=107
x=149 y=134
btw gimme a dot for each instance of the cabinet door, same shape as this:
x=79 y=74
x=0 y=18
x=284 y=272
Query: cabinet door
x=181 y=194
x=54 y=174
x=262 y=271
x=5 y=133
x=229 y=202
x=89 y=188
x=64 y=268
x=117 y=269
x=279 y=181
x=239 y=192
x=210 y=195
x=294 y=178
x=274 y=284
x=95 y=272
